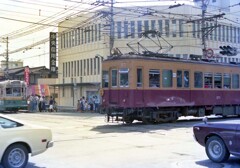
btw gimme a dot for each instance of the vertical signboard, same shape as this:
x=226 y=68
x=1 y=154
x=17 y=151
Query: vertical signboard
x=53 y=51
x=26 y=75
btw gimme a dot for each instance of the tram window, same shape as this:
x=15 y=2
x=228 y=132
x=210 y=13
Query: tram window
x=186 y=79
x=16 y=91
x=123 y=72
x=227 y=81
x=235 y=81
x=8 y=91
x=114 y=78
x=179 y=78
x=218 y=80
x=208 y=80
x=198 y=79
x=139 y=77
x=154 y=78
x=167 y=78
x=105 y=78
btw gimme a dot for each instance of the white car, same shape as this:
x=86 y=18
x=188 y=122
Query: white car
x=18 y=139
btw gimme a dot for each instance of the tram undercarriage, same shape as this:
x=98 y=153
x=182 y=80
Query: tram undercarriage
x=164 y=115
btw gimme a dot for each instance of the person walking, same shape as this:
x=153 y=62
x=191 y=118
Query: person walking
x=51 y=102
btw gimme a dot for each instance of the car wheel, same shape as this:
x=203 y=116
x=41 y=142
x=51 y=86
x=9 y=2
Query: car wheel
x=16 y=156
x=216 y=149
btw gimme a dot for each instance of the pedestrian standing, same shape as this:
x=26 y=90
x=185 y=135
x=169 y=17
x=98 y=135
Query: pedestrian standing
x=40 y=104
x=51 y=102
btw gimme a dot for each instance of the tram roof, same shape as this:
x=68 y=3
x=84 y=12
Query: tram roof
x=164 y=57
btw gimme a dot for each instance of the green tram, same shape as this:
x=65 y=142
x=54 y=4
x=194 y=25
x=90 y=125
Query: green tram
x=13 y=95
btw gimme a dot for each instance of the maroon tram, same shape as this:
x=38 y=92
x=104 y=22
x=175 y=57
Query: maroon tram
x=161 y=89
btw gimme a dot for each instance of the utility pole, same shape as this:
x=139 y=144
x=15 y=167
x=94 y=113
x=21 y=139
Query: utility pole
x=206 y=30
x=204 y=8
x=111 y=39
x=7 y=56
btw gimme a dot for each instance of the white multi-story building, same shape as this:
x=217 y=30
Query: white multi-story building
x=83 y=41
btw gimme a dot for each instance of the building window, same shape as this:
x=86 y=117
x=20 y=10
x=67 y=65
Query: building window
x=73 y=38
x=146 y=25
x=69 y=69
x=231 y=34
x=91 y=66
x=75 y=68
x=87 y=68
x=160 y=27
x=223 y=33
x=207 y=35
x=81 y=68
x=238 y=35
x=125 y=29
x=211 y=35
x=78 y=68
x=96 y=32
x=99 y=31
x=79 y=37
x=99 y=62
x=95 y=65
x=227 y=33
x=235 y=35
x=139 y=29
x=174 y=28
x=84 y=67
x=181 y=28
x=69 y=39
x=199 y=29
x=119 y=28
x=167 y=27
x=66 y=40
x=88 y=34
x=63 y=92
x=85 y=35
x=215 y=32
x=132 y=29
x=92 y=33
x=153 y=27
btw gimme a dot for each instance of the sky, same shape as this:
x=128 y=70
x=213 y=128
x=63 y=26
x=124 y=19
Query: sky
x=18 y=16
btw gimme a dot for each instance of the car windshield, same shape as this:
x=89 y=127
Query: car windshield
x=6 y=123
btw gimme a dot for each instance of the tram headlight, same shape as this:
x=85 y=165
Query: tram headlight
x=124 y=100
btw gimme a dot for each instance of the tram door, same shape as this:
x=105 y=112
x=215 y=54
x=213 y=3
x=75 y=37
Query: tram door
x=139 y=93
x=113 y=93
